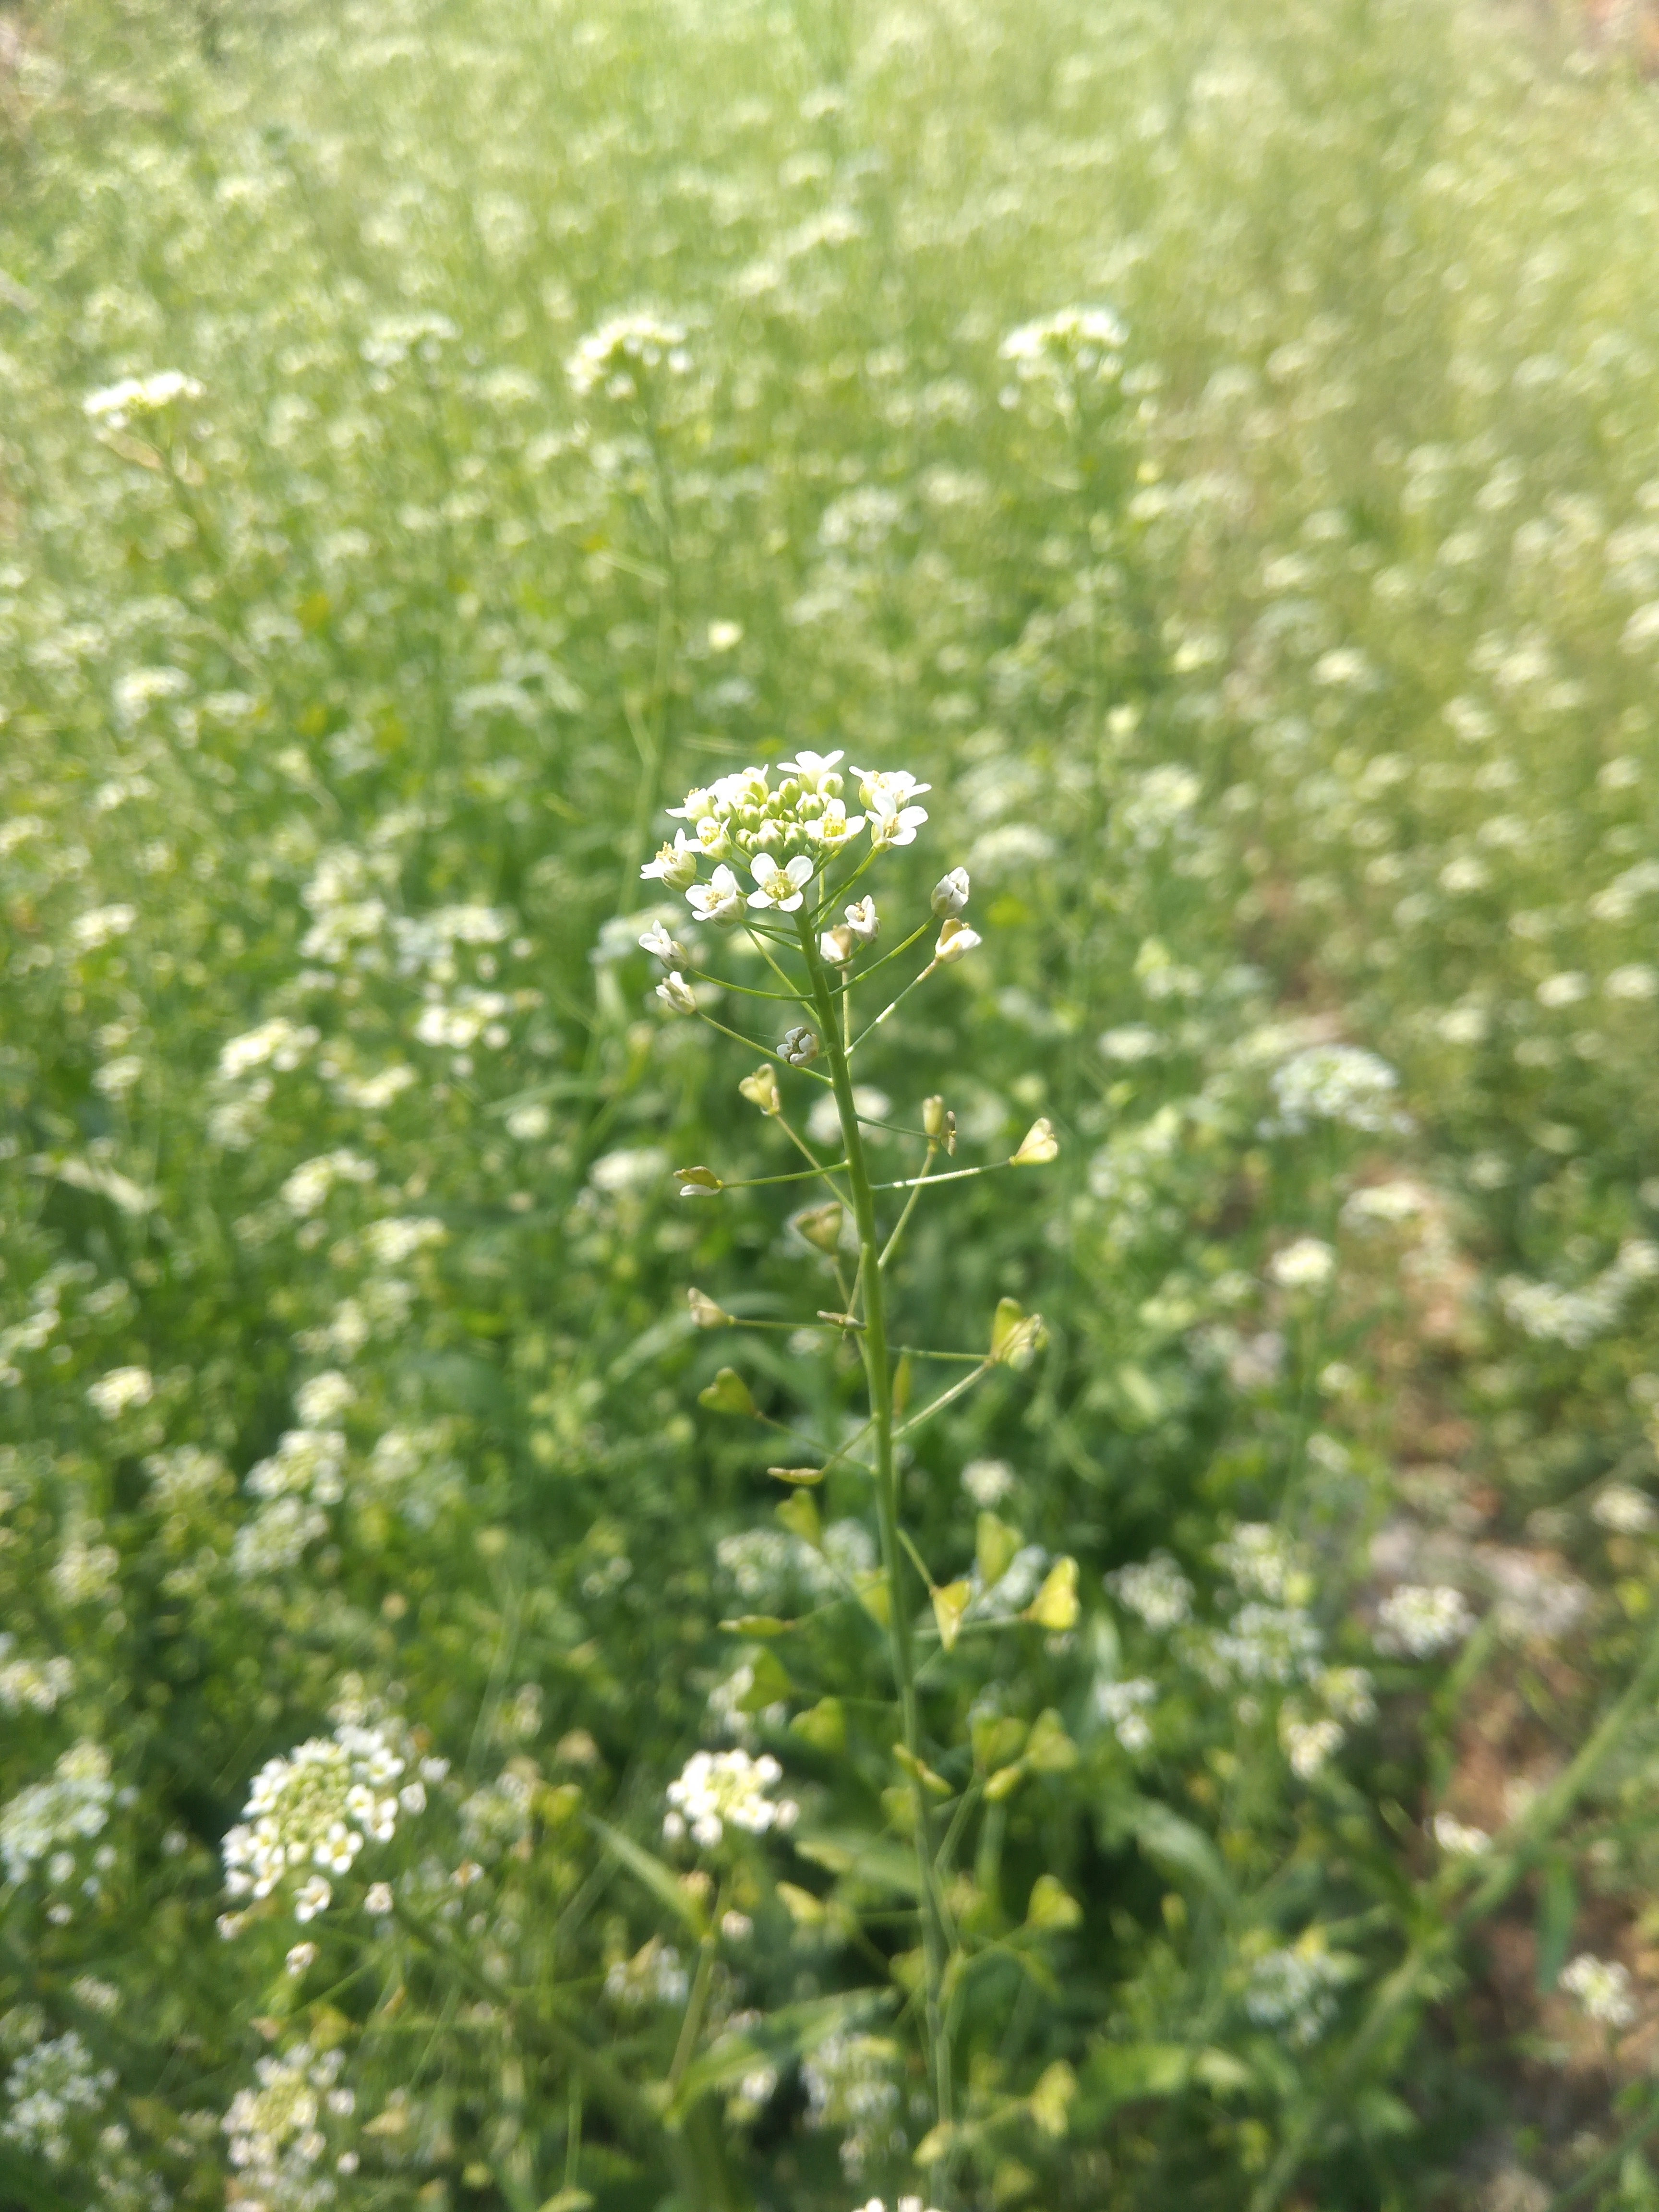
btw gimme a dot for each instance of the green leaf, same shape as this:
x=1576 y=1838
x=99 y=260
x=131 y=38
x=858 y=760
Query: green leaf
x=728 y=1393
x=871 y=1860
x=658 y=1879
x=1176 y=1843
x=1557 y=1909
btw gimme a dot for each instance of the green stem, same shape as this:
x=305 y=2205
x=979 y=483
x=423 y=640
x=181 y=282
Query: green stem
x=879 y=1375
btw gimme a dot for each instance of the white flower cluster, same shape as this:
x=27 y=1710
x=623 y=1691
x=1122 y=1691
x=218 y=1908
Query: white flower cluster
x=316 y=1809
x=1601 y=1987
x=852 y=2087
x=1337 y=1082
x=1457 y=1839
x=45 y=2086
x=302 y=1476
x=1155 y=1588
x=722 y=1789
x=1122 y=1707
x=904 y=2204
x=1307 y=1263
x=611 y=357
x=1620 y=1508
x=116 y=403
x=72 y=1806
x=1419 y=1620
x=1550 y=1314
x=34 y=1686
x=1084 y=342
x=120 y=1391
x=1262 y=1562
x=277 y=2141
x=1295 y=1989
x=783 y=835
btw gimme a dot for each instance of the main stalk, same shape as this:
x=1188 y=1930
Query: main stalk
x=878 y=1377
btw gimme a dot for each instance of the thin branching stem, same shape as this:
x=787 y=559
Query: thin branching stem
x=879 y=1375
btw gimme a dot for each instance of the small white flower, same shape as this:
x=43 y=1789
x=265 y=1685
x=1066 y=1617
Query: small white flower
x=950 y=894
x=720 y=900
x=834 y=827
x=1420 y=1621
x=862 y=921
x=113 y=1394
x=780 y=887
x=809 y=768
x=378 y=1901
x=896 y=829
x=1603 y=1989
x=676 y=865
x=836 y=946
x=300 y=1958
x=661 y=946
x=116 y=403
x=677 y=995
x=313 y=1896
x=799 y=1047
x=1457 y=1840
x=1308 y=1264
x=1625 y=1511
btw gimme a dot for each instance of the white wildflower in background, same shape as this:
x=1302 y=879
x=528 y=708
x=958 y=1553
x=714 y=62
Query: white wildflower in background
x=1457 y=1840
x=315 y=1810
x=1294 y=1991
x=47 y=2087
x=987 y=1481
x=1551 y=1314
x=279 y=1043
x=614 y=357
x=1625 y=1511
x=71 y=1807
x=1339 y=1083
x=1263 y=1644
x=1155 y=1588
x=120 y=1390
x=1121 y=1707
x=278 y=2134
x=306 y=1190
x=1307 y=1264
x=1308 y=1744
x=1602 y=1988
x=1419 y=1620
x=32 y=1686
x=1086 y=343
x=101 y=926
x=722 y=1789
x=655 y=1975
x=275 y=1538
x=852 y=2088
x=115 y=405
x=1262 y=1561
x=324 y=1398
x=873 y=1108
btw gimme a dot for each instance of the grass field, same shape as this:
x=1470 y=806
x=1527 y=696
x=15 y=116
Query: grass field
x=1218 y=452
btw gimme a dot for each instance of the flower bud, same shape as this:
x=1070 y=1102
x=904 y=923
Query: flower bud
x=1037 y=1147
x=676 y=993
x=939 y=1122
x=837 y=946
x=799 y=1047
x=955 y=939
x=761 y=1089
x=950 y=894
x=698 y=1183
x=705 y=1312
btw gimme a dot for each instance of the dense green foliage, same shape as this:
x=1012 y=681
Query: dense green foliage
x=1285 y=679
